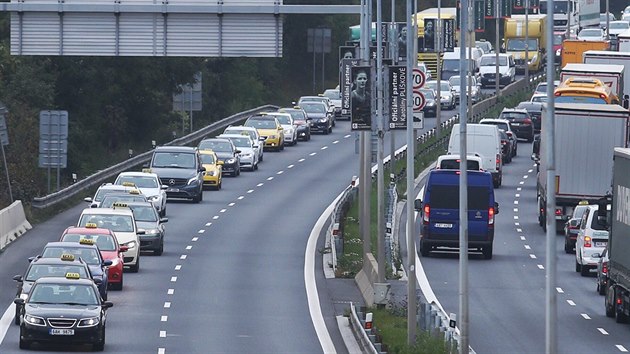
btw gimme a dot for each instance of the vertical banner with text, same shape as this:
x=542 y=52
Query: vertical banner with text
x=361 y=98
x=448 y=35
x=479 y=19
x=345 y=86
x=397 y=88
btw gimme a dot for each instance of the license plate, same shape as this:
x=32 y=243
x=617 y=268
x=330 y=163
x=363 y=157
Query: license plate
x=600 y=244
x=515 y=124
x=172 y=190
x=443 y=226
x=61 y=332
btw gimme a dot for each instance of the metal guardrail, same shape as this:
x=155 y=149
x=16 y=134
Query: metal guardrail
x=110 y=172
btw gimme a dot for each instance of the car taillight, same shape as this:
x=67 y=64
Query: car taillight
x=527 y=121
x=601 y=95
x=498 y=161
x=490 y=216
x=558 y=211
x=425 y=214
x=605 y=267
x=587 y=241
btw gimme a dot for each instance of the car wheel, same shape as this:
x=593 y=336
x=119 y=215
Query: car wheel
x=601 y=290
x=282 y=146
x=164 y=211
x=531 y=138
x=584 y=271
x=424 y=249
x=330 y=129
x=16 y=320
x=136 y=267
x=578 y=266
x=105 y=295
x=261 y=157
x=487 y=252
x=24 y=344
x=609 y=301
x=100 y=345
x=118 y=286
x=567 y=246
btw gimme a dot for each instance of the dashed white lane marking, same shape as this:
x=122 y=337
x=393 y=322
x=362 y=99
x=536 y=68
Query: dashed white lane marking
x=301 y=160
x=162 y=334
x=194 y=239
x=290 y=166
x=163 y=318
x=208 y=223
x=560 y=291
x=602 y=331
x=201 y=231
x=516 y=210
x=521 y=182
x=527 y=247
x=240 y=197
x=189 y=247
x=178 y=267
x=161 y=351
x=516 y=202
x=260 y=184
x=522 y=238
x=232 y=204
x=183 y=256
x=571 y=302
x=173 y=279
x=517 y=224
x=530 y=171
x=222 y=210
x=312 y=154
x=170 y=291
x=251 y=190
x=167 y=305
x=336 y=142
x=519 y=230
x=540 y=266
x=515 y=217
x=280 y=172
x=532 y=256
x=517 y=195
x=525 y=176
x=215 y=217
x=586 y=316
x=324 y=147
x=621 y=348
x=519 y=188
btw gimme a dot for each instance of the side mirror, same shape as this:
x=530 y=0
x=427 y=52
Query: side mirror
x=98 y=281
x=141 y=232
x=124 y=248
x=87 y=199
x=107 y=263
x=220 y=162
x=18 y=278
x=417 y=204
x=19 y=301
x=237 y=151
x=256 y=146
x=202 y=169
x=262 y=138
x=107 y=304
x=164 y=187
x=30 y=259
x=496 y=208
x=163 y=220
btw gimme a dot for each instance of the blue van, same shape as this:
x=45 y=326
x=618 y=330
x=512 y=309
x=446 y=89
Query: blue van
x=439 y=210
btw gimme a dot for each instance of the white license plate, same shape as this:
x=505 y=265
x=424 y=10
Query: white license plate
x=172 y=190
x=515 y=124
x=61 y=332
x=443 y=226
x=600 y=244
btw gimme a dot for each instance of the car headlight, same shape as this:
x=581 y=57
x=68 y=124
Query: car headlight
x=230 y=161
x=210 y=173
x=88 y=322
x=289 y=131
x=153 y=198
x=430 y=103
x=34 y=320
x=130 y=244
x=271 y=137
x=193 y=180
x=324 y=120
x=247 y=155
x=23 y=296
x=115 y=262
x=153 y=232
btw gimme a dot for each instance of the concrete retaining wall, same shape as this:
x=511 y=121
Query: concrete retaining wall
x=13 y=223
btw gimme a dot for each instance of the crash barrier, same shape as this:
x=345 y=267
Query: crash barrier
x=111 y=172
x=431 y=317
x=13 y=223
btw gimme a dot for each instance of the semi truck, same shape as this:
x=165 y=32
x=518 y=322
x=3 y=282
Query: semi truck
x=516 y=41
x=574 y=13
x=617 y=291
x=573 y=50
x=611 y=75
x=584 y=136
x=598 y=57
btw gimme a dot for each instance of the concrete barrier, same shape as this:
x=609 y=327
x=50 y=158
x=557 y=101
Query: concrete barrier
x=13 y=223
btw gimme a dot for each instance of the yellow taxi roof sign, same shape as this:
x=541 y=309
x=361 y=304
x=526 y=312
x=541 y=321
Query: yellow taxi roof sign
x=583 y=202
x=67 y=257
x=128 y=184
x=70 y=275
x=134 y=191
x=146 y=170
x=91 y=225
x=86 y=241
x=120 y=205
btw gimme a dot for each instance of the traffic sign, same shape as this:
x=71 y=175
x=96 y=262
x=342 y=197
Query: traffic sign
x=418 y=78
x=418 y=120
x=418 y=101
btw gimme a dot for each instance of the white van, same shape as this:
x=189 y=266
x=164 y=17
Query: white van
x=452 y=161
x=485 y=141
x=450 y=62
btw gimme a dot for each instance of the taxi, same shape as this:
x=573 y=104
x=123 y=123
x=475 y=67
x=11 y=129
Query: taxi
x=64 y=310
x=107 y=244
x=148 y=219
x=269 y=128
x=213 y=176
x=48 y=267
x=149 y=184
x=121 y=221
x=105 y=189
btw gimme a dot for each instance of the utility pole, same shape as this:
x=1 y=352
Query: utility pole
x=438 y=111
x=527 y=41
x=380 y=183
x=497 y=49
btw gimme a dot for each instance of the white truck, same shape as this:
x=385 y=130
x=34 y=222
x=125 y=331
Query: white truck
x=584 y=136
x=610 y=74
x=623 y=41
x=606 y=57
x=579 y=13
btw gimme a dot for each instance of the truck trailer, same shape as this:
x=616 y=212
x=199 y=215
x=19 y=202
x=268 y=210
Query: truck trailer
x=584 y=135
x=598 y=57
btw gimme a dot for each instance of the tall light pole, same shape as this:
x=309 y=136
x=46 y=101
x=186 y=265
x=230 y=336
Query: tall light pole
x=527 y=40
x=380 y=214
x=438 y=111
x=497 y=49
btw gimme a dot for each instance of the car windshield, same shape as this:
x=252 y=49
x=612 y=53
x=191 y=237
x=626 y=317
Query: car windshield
x=109 y=200
x=559 y=7
x=103 y=241
x=174 y=160
x=455 y=81
x=313 y=108
x=139 y=181
x=491 y=60
x=296 y=114
x=478 y=197
x=580 y=99
x=37 y=271
x=144 y=213
x=590 y=32
x=88 y=254
x=541 y=98
x=513 y=115
x=454 y=164
x=619 y=25
x=557 y=39
x=241 y=142
x=215 y=145
x=450 y=65
x=261 y=123
x=79 y=294
x=114 y=222
x=501 y=125
x=250 y=133
x=102 y=192
x=332 y=94
x=283 y=119
x=207 y=159
x=428 y=94
x=518 y=44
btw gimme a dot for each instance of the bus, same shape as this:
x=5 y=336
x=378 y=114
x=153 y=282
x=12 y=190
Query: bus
x=585 y=90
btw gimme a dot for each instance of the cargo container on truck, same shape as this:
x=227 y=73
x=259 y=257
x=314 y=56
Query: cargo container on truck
x=573 y=50
x=584 y=136
x=516 y=41
x=615 y=58
x=623 y=42
x=611 y=75
x=576 y=13
x=617 y=291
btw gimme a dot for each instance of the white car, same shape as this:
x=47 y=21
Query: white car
x=288 y=126
x=107 y=188
x=447 y=97
x=539 y=97
x=591 y=34
x=428 y=76
x=617 y=27
x=149 y=184
x=335 y=98
x=246 y=146
x=121 y=221
x=625 y=14
x=475 y=91
x=591 y=241
x=253 y=133
x=488 y=69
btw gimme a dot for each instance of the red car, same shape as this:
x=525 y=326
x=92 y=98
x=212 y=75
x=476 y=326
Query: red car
x=107 y=244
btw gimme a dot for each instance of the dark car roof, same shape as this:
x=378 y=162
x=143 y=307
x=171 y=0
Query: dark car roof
x=533 y=106
x=69 y=244
x=61 y=280
x=175 y=149
x=56 y=261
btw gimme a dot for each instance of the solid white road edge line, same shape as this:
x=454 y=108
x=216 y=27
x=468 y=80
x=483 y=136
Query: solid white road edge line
x=6 y=321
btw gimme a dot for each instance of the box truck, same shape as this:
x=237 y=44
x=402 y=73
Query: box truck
x=574 y=13
x=584 y=136
x=615 y=58
x=573 y=50
x=516 y=40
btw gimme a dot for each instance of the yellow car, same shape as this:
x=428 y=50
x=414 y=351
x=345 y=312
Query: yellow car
x=268 y=127
x=214 y=171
